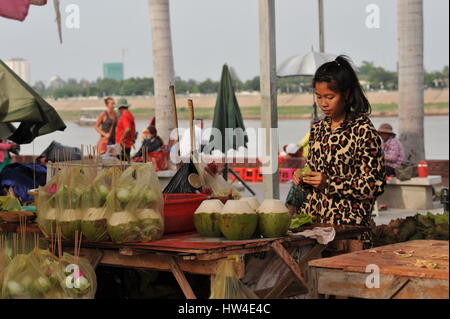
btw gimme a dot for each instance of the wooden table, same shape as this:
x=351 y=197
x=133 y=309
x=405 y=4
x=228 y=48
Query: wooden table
x=189 y=252
x=349 y=275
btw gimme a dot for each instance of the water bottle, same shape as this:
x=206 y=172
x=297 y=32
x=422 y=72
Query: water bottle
x=422 y=169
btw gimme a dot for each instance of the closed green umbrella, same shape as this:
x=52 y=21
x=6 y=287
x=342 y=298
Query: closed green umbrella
x=228 y=115
x=20 y=103
x=228 y=118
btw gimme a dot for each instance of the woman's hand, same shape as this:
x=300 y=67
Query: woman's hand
x=315 y=179
x=107 y=135
x=297 y=177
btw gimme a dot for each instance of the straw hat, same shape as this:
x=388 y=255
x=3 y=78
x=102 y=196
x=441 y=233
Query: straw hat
x=292 y=148
x=386 y=128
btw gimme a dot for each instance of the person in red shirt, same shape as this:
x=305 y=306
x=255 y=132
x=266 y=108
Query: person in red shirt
x=126 y=129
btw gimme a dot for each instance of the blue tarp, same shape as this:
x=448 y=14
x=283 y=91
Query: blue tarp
x=21 y=178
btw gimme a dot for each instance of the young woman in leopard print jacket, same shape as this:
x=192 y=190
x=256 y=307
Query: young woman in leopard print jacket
x=345 y=157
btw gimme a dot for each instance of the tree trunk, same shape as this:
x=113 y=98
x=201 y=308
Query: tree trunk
x=411 y=78
x=163 y=69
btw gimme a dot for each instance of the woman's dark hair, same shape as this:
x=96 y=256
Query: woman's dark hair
x=152 y=130
x=342 y=78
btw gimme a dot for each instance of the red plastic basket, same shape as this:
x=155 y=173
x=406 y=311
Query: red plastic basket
x=179 y=211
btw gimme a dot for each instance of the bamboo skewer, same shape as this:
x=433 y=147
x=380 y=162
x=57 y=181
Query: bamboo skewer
x=191 y=124
x=175 y=120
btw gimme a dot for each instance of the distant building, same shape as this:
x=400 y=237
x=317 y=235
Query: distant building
x=21 y=67
x=113 y=71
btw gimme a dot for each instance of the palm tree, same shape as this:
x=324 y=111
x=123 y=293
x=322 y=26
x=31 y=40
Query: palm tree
x=163 y=69
x=411 y=78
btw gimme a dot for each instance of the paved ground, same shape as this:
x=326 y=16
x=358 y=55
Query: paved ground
x=384 y=217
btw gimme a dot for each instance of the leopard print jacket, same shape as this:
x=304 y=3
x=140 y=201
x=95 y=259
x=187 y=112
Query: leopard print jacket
x=352 y=159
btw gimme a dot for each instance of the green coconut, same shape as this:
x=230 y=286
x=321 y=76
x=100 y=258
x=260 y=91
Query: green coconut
x=70 y=221
x=124 y=227
x=94 y=224
x=238 y=221
x=151 y=224
x=273 y=218
x=206 y=218
x=144 y=198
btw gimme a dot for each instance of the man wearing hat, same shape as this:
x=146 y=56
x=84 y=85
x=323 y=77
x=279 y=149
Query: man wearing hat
x=126 y=129
x=392 y=148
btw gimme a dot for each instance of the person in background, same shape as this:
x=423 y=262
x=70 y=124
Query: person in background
x=151 y=144
x=291 y=150
x=106 y=126
x=126 y=129
x=5 y=148
x=392 y=148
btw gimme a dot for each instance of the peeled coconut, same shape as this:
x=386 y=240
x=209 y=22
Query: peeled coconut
x=273 y=218
x=151 y=224
x=94 y=224
x=70 y=221
x=123 y=227
x=238 y=221
x=206 y=218
x=252 y=201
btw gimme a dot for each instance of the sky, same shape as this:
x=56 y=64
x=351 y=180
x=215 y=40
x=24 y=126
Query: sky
x=208 y=33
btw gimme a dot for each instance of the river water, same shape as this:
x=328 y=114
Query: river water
x=290 y=131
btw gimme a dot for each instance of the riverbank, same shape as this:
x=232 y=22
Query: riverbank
x=254 y=112
x=290 y=106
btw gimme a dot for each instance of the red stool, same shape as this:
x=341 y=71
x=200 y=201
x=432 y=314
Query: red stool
x=259 y=177
x=251 y=174
x=286 y=174
x=239 y=171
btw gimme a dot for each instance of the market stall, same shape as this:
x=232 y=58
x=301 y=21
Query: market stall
x=190 y=252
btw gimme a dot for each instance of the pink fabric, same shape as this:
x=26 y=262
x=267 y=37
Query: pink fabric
x=14 y=9
x=3 y=148
x=393 y=152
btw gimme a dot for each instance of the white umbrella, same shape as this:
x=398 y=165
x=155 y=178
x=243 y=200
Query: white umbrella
x=304 y=65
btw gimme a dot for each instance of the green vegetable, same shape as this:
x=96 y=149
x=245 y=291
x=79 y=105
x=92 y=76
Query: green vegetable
x=300 y=220
x=9 y=204
x=305 y=170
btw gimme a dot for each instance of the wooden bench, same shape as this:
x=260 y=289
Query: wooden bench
x=415 y=193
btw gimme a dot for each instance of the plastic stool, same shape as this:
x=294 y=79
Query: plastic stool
x=259 y=177
x=239 y=171
x=251 y=174
x=286 y=174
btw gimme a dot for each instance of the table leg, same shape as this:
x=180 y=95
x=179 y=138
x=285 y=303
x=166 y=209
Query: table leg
x=181 y=279
x=290 y=262
x=287 y=280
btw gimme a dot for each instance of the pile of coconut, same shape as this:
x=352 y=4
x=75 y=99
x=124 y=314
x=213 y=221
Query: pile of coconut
x=242 y=219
